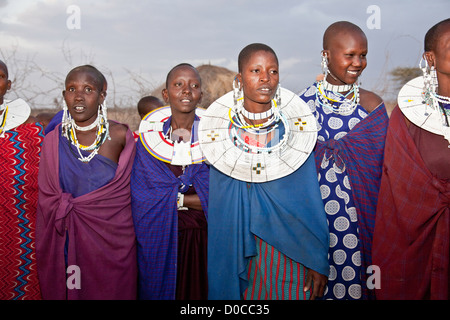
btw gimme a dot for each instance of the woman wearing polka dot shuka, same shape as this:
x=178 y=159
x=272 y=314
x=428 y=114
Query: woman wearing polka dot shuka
x=352 y=125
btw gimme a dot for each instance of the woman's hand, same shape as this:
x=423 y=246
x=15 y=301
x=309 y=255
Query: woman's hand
x=317 y=281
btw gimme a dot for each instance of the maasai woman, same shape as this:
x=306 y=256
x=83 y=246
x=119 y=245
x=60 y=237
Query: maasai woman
x=169 y=186
x=267 y=233
x=85 y=240
x=352 y=126
x=20 y=145
x=412 y=230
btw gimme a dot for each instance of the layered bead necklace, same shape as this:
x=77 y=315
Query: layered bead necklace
x=438 y=103
x=69 y=131
x=344 y=105
x=274 y=117
x=443 y=103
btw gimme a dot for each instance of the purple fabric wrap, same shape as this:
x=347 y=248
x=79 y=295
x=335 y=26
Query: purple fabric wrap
x=100 y=228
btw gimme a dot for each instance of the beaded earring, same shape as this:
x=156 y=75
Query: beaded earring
x=104 y=117
x=237 y=90
x=429 y=83
x=66 y=119
x=277 y=97
x=324 y=64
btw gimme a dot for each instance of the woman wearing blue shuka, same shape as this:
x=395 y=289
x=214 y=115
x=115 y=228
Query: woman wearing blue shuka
x=267 y=228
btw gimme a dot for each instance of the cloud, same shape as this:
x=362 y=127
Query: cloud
x=150 y=37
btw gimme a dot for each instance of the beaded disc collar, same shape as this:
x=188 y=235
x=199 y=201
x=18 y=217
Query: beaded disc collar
x=157 y=144
x=226 y=151
x=426 y=116
x=16 y=112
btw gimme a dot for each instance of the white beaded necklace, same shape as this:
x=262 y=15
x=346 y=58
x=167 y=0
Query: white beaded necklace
x=272 y=115
x=102 y=134
x=256 y=116
x=88 y=127
x=439 y=98
x=344 y=105
x=336 y=88
x=69 y=128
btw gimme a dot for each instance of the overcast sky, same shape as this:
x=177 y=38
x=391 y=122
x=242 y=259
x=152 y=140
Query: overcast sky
x=148 y=37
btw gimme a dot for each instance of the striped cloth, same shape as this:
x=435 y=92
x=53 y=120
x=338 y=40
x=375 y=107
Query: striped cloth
x=274 y=276
x=412 y=231
x=19 y=160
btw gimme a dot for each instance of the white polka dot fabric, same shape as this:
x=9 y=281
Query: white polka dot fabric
x=344 y=256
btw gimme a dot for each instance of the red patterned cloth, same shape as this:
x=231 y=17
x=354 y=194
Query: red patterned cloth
x=411 y=238
x=19 y=163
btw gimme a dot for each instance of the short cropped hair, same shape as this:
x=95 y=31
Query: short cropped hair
x=245 y=53
x=103 y=84
x=181 y=65
x=333 y=30
x=433 y=35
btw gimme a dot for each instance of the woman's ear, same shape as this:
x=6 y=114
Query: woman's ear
x=239 y=79
x=165 y=95
x=429 y=56
x=326 y=54
x=102 y=96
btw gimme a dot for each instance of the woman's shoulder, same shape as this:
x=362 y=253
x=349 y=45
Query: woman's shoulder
x=369 y=100
x=118 y=131
x=117 y=128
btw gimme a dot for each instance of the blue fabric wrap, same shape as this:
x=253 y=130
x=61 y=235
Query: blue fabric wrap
x=154 y=190
x=78 y=178
x=287 y=213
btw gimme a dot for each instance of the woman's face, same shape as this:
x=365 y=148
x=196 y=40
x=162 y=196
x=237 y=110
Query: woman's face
x=83 y=96
x=183 y=91
x=5 y=84
x=346 y=57
x=259 y=79
x=440 y=56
